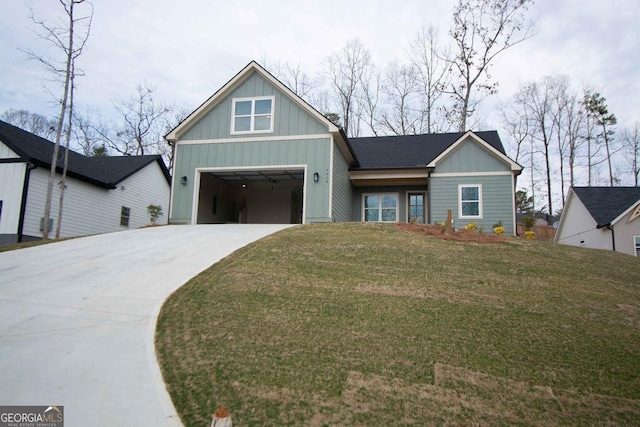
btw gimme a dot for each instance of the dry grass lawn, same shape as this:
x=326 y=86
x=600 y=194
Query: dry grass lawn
x=369 y=324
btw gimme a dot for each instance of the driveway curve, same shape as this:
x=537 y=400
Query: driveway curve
x=77 y=319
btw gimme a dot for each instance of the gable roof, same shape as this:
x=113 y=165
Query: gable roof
x=411 y=151
x=607 y=204
x=174 y=134
x=236 y=81
x=104 y=171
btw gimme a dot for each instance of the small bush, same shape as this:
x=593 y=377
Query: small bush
x=528 y=222
x=498 y=230
x=471 y=226
x=530 y=235
x=155 y=212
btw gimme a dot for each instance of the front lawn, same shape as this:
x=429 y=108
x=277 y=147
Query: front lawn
x=365 y=324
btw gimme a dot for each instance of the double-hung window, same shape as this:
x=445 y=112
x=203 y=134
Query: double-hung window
x=380 y=207
x=470 y=201
x=125 y=214
x=252 y=115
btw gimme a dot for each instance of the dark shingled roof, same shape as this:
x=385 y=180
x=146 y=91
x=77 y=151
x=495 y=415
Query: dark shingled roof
x=408 y=151
x=607 y=203
x=104 y=172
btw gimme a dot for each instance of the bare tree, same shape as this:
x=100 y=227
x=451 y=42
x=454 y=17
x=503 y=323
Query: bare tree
x=597 y=109
x=31 y=122
x=347 y=71
x=482 y=29
x=65 y=40
x=403 y=114
x=432 y=65
x=142 y=126
x=516 y=124
x=631 y=146
x=534 y=103
x=63 y=180
x=87 y=137
x=573 y=127
x=176 y=113
x=559 y=117
x=370 y=101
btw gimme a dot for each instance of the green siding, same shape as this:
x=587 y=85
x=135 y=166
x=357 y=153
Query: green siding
x=401 y=190
x=311 y=152
x=497 y=200
x=471 y=157
x=289 y=118
x=342 y=188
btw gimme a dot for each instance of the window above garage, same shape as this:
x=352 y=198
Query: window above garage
x=252 y=115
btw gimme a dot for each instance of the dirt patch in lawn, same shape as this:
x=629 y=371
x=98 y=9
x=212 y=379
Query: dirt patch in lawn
x=461 y=235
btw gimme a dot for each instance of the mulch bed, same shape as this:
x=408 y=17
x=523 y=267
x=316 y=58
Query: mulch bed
x=461 y=235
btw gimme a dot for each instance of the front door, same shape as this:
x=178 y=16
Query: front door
x=416 y=208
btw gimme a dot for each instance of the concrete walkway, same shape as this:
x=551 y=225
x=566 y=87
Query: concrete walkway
x=77 y=319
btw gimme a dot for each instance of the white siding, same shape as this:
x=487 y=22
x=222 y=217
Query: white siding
x=625 y=231
x=89 y=209
x=11 y=184
x=7 y=153
x=578 y=227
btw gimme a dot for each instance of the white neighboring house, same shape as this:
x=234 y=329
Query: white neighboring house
x=103 y=194
x=602 y=218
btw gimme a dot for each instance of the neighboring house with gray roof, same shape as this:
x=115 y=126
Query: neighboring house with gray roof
x=255 y=152
x=601 y=218
x=103 y=193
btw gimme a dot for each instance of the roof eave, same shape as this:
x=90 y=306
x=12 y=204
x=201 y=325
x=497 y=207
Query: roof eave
x=514 y=166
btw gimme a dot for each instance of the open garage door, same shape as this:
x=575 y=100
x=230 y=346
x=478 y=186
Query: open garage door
x=251 y=196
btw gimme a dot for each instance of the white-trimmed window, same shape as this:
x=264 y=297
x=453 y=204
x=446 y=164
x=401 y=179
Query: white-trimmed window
x=381 y=207
x=636 y=244
x=125 y=214
x=252 y=115
x=470 y=201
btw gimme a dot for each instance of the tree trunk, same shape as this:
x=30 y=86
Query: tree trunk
x=56 y=148
x=63 y=180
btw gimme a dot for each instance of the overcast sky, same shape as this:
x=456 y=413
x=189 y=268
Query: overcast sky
x=188 y=49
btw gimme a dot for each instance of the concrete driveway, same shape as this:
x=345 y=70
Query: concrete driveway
x=77 y=319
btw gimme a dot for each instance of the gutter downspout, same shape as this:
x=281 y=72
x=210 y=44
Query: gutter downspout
x=429 y=195
x=23 y=203
x=613 y=236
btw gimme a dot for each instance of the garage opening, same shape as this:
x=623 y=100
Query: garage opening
x=271 y=196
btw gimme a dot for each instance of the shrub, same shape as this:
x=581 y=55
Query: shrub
x=528 y=222
x=155 y=212
x=471 y=226
x=498 y=230
x=530 y=235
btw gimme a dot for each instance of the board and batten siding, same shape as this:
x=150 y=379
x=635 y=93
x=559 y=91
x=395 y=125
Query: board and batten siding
x=289 y=118
x=471 y=157
x=497 y=200
x=11 y=188
x=314 y=153
x=342 y=188
x=89 y=209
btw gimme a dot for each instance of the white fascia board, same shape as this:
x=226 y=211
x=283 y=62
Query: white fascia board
x=469 y=134
x=623 y=214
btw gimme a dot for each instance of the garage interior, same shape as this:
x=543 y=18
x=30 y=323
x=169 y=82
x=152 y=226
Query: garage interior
x=273 y=196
